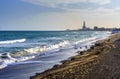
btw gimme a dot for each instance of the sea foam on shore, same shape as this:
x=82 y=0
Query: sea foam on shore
x=94 y=63
x=46 y=52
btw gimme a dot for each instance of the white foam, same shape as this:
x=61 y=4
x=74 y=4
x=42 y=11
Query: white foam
x=47 y=48
x=25 y=58
x=12 y=41
x=86 y=40
x=4 y=62
x=2 y=65
x=31 y=53
x=28 y=62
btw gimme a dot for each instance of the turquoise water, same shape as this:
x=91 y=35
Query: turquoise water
x=26 y=52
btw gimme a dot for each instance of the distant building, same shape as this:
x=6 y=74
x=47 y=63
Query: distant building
x=84 y=25
x=116 y=30
x=95 y=28
x=67 y=29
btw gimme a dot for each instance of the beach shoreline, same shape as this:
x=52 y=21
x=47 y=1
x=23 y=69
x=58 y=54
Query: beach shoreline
x=88 y=64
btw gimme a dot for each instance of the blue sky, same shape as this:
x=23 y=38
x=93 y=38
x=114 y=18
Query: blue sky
x=58 y=14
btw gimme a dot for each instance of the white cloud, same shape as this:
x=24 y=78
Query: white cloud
x=101 y=2
x=106 y=11
x=56 y=3
x=101 y=11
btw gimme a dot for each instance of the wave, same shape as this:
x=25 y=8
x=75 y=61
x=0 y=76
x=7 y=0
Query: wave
x=30 y=53
x=38 y=49
x=86 y=40
x=6 y=59
x=27 y=54
x=13 y=41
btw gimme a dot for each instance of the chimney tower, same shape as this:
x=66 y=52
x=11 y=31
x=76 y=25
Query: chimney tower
x=84 y=25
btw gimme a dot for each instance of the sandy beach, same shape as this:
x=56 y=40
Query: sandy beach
x=99 y=62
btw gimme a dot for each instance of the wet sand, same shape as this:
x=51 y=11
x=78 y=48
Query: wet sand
x=102 y=61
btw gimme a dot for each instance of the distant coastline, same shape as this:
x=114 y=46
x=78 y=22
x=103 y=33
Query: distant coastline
x=85 y=28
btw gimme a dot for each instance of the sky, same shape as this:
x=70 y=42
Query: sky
x=58 y=14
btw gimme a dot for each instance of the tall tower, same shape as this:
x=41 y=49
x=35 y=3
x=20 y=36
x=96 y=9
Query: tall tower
x=84 y=25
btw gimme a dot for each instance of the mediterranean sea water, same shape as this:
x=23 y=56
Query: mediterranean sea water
x=23 y=53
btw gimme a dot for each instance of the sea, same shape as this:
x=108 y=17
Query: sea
x=25 y=53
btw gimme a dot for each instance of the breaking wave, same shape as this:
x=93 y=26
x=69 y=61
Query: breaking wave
x=30 y=53
x=12 y=41
x=26 y=54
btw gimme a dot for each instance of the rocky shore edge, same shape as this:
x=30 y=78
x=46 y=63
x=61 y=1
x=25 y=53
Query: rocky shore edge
x=101 y=61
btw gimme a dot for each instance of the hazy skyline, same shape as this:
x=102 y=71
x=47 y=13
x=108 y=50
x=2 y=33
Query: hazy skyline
x=58 y=14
